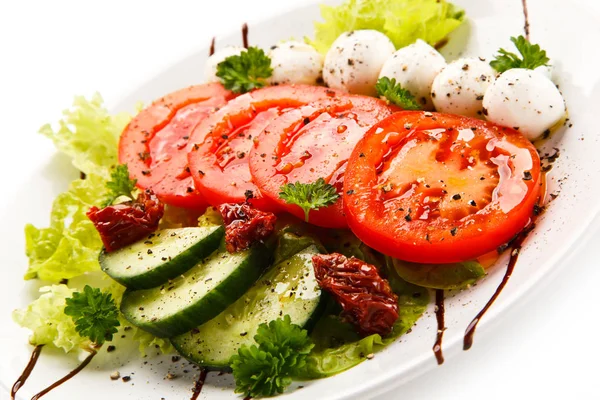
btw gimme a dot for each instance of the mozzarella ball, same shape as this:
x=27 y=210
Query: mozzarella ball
x=210 y=70
x=355 y=59
x=460 y=87
x=415 y=67
x=295 y=62
x=525 y=100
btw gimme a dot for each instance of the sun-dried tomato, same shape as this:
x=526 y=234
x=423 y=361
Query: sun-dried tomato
x=122 y=224
x=366 y=298
x=245 y=225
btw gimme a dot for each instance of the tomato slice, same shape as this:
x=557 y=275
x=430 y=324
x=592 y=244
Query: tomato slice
x=153 y=143
x=220 y=146
x=312 y=142
x=438 y=188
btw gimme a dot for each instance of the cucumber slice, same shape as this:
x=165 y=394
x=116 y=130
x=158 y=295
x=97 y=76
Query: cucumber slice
x=289 y=288
x=196 y=296
x=163 y=255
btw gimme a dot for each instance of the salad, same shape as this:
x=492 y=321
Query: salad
x=296 y=211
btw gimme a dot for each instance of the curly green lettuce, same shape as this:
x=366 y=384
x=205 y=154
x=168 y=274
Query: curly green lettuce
x=48 y=323
x=70 y=245
x=89 y=134
x=403 y=21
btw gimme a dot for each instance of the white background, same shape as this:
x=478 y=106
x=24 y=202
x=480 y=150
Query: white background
x=51 y=50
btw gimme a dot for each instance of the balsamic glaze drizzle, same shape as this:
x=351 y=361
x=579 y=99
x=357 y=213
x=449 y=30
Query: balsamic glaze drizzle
x=212 y=47
x=514 y=256
x=441 y=326
x=199 y=383
x=65 y=378
x=245 y=35
x=27 y=371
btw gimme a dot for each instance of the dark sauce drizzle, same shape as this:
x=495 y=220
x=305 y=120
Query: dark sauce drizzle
x=245 y=35
x=526 y=15
x=440 y=310
x=514 y=256
x=199 y=383
x=65 y=378
x=27 y=371
x=212 y=47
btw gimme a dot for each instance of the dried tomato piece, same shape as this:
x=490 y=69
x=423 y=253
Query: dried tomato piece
x=366 y=298
x=245 y=225
x=122 y=224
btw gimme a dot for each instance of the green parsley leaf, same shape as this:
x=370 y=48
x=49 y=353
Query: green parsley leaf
x=281 y=336
x=309 y=196
x=394 y=93
x=245 y=72
x=120 y=184
x=95 y=314
x=267 y=369
x=532 y=56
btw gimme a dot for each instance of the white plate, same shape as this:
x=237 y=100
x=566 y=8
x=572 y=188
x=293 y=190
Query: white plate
x=491 y=24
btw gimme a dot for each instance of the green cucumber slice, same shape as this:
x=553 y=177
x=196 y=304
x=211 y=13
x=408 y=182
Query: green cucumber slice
x=288 y=288
x=161 y=256
x=196 y=296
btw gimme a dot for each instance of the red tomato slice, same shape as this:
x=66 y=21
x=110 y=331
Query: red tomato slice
x=439 y=188
x=312 y=142
x=153 y=144
x=220 y=146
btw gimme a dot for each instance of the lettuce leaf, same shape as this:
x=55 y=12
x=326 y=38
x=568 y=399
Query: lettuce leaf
x=49 y=324
x=147 y=341
x=337 y=345
x=70 y=245
x=89 y=134
x=456 y=276
x=403 y=21
x=47 y=321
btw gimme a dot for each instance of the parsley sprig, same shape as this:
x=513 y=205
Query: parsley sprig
x=396 y=94
x=309 y=196
x=95 y=314
x=245 y=72
x=532 y=56
x=119 y=185
x=267 y=369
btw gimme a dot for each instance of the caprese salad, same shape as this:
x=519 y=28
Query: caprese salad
x=288 y=217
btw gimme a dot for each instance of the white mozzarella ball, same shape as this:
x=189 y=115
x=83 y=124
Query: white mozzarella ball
x=295 y=62
x=525 y=100
x=415 y=67
x=210 y=70
x=355 y=59
x=460 y=87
